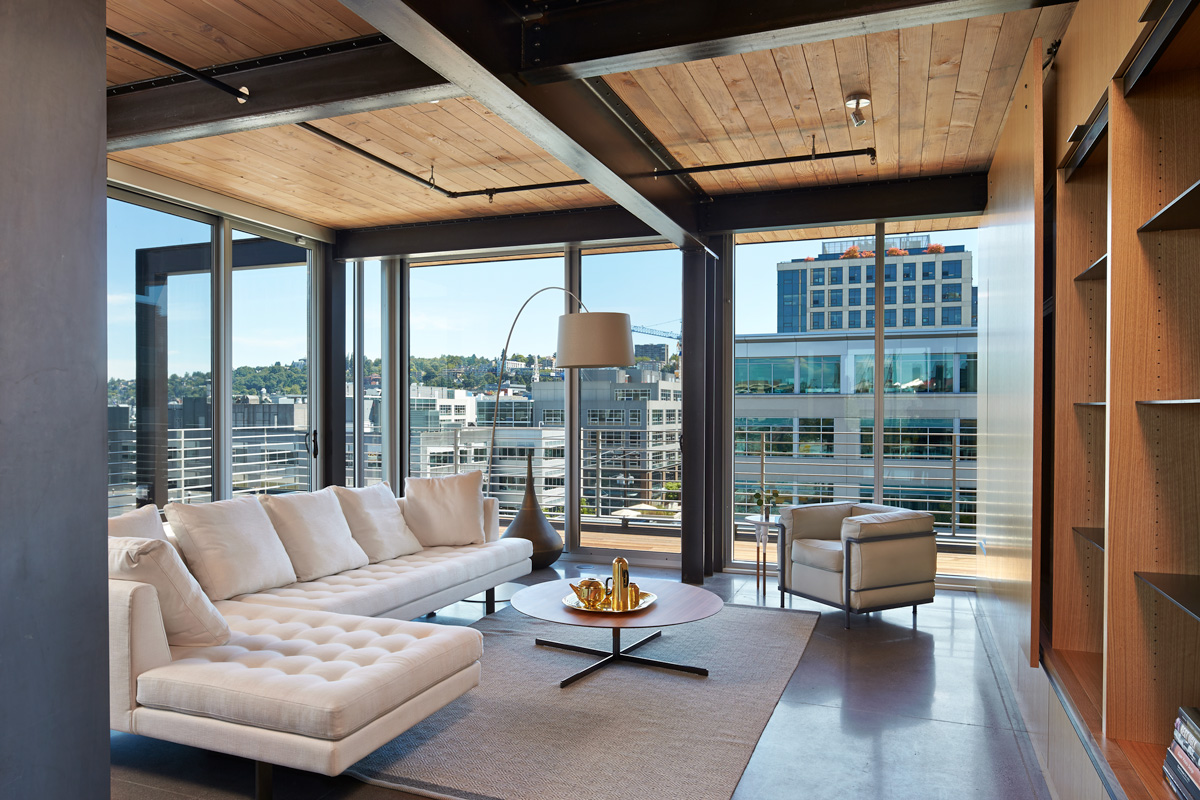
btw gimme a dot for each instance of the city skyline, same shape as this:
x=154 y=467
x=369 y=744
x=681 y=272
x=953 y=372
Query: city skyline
x=270 y=308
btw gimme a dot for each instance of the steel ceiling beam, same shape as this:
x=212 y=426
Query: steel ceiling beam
x=359 y=75
x=571 y=40
x=914 y=198
x=473 y=43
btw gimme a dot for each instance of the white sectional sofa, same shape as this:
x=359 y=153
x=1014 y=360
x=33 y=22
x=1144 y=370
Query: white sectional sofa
x=232 y=653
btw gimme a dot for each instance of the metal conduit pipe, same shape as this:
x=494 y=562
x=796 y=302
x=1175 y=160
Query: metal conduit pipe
x=242 y=94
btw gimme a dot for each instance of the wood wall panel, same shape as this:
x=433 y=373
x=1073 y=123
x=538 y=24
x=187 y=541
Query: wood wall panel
x=1154 y=339
x=1080 y=444
x=1099 y=37
x=1010 y=264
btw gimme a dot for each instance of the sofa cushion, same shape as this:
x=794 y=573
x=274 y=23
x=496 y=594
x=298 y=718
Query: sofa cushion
x=188 y=617
x=446 y=510
x=376 y=522
x=142 y=523
x=820 y=553
x=230 y=546
x=314 y=533
x=379 y=588
x=308 y=672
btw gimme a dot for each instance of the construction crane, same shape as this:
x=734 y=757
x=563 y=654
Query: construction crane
x=678 y=337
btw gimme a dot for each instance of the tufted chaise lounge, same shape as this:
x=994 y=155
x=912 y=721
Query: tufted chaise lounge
x=305 y=689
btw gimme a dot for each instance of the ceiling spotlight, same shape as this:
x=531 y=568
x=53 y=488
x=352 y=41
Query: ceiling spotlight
x=856 y=102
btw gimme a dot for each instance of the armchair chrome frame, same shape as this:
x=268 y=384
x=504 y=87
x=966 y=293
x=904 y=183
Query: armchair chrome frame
x=846 y=573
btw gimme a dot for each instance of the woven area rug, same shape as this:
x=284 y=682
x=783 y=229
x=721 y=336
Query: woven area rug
x=625 y=731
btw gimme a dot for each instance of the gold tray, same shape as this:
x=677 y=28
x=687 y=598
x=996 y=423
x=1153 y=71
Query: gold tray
x=644 y=600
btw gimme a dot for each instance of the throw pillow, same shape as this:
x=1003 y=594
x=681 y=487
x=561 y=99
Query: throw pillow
x=142 y=523
x=314 y=533
x=230 y=546
x=445 y=511
x=376 y=522
x=189 y=618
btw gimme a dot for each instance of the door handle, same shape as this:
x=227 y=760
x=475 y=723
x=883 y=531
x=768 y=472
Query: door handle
x=314 y=441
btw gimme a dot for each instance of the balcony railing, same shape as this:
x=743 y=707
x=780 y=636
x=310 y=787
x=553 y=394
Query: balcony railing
x=930 y=471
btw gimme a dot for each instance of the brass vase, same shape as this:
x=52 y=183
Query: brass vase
x=530 y=523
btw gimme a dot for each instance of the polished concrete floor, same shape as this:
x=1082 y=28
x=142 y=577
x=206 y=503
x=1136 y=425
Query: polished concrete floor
x=884 y=710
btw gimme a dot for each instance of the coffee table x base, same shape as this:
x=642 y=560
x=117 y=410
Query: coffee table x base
x=617 y=654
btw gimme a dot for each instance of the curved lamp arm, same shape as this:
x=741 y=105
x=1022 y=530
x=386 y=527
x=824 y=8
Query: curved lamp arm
x=503 y=364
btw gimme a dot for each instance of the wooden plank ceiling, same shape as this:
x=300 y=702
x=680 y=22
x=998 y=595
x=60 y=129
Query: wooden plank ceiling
x=286 y=168
x=205 y=33
x=939 y=95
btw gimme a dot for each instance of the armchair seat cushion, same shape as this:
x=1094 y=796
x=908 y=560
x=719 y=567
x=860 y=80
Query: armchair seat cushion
x=308 y=672
x=823 y=554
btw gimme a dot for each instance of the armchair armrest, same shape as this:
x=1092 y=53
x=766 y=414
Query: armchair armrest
x=809 y=521
x=889 y=557
x=896 y=524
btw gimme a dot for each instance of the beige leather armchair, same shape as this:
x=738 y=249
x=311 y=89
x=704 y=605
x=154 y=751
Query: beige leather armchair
x=858 y=557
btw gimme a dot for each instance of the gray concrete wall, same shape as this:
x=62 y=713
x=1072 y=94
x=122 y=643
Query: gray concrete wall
x=54 y=621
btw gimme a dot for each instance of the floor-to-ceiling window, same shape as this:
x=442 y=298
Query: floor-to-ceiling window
x=364 y=373
x=273 y=420
x=929 y=386
x=168 y=441
x=159 y=356
x=805 y=379
x=631 y=417
x=459 y=318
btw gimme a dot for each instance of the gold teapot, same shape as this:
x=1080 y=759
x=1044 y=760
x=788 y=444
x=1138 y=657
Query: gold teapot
x=590 y=592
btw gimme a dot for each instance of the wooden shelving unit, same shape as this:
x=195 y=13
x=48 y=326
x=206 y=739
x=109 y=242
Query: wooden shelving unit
x=1187 y=402
x=1093 y=536
x=1181 y=214
x=1182 y=590
x=1098 y=271
x=1096 y=404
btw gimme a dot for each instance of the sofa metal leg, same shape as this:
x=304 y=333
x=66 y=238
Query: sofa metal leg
x=781 y=597
x=263 y=781
x=489 y=601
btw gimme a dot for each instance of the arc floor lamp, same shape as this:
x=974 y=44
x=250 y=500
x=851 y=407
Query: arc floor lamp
x=586 y=339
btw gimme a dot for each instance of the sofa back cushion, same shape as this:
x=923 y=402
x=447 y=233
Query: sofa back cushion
x=142 y=523
x=230 y=546
x=188 y=617
x=376 y=522
x=314 y=533
x=447 y=510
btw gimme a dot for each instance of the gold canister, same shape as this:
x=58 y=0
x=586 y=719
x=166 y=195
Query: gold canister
x=635 y=596
x=620 y=585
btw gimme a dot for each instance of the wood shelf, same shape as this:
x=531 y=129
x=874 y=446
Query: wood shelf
x=1098 y=271
x=1181 y=214
x=1146 y=760
x=1093 y=536
x=1183 y=402
x=1182 y=590
x=1096 y=404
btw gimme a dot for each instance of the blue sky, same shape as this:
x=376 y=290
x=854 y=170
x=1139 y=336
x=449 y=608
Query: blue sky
x=458 y=309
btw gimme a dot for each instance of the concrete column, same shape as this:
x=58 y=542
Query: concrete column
x=53 y=376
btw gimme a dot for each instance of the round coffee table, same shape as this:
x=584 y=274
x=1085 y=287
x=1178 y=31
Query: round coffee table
x=677 y=603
